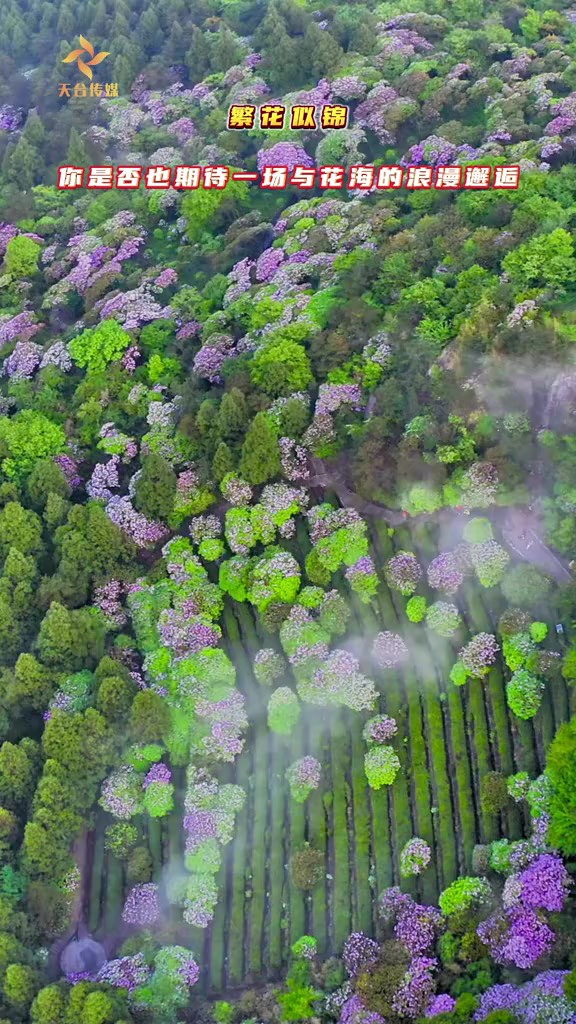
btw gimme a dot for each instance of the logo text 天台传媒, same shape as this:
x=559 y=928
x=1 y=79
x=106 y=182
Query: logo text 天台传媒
x=85 y=59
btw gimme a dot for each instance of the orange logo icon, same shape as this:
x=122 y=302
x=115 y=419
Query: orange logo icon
x=85 y=66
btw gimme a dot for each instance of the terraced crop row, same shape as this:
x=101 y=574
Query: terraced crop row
x=448 y=738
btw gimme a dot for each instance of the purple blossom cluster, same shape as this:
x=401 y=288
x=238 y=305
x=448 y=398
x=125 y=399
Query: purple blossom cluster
x=128 y=972
x=435 y=151
x=516 y=936
x=389 y=650
x=144 y=533
x=108 y=598
x=294 y=459
x=416 y=989
x=349 y=87
x=282 y=501
x=240 y=281
x=565 y=116
x=23 y=361
x=187 y=969
x=186 y=635
x=166 y=278
x=236 y=491
x=479 y=654
x=158 y=773
x=332 y=396
x=130 y=358
x=121 y=793
x=414 y=857
x=305 y=772
x=320 y=432
x=380 y=729
x=499 y=135
x=199 y=826
x=142 y=906
x=7 y=232
x=443 y=1003
x=444 y=573
x=416 y=924
x=545 y=884
x=129 y=248
x=187 y=483
x=188 y=330
x=183 y=129
x=104 y=479
x=339 y=681
x=403 y=572
x=209 y=359
x=57 y=355
x=20 y=327
x=227 y=720
x=360 y=952
x=268 y=263
x=10 y=118
x=550 y=148
x=204 y=528
x=284 y=154
x=323 y=520
x=540 y=999
x=362 y=574
x=372 y=112
x=132 y=308
x=354 y=1012
x=523 y=313
x=69 y=467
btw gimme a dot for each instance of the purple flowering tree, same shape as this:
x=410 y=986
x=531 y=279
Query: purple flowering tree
x=363 y=578
x=303 y=778
x=379 y=729
x=416 y=925
x=479 y=654
x=359 y=953
x=284 y=154
x=414 y=857
x=142 y=906
x=444 y=573
x=389 y=650
x=403 y=572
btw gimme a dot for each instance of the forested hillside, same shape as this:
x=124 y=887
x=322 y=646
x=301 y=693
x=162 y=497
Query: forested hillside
x=287 y=522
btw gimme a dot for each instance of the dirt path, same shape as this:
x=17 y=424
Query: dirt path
x=77 y=924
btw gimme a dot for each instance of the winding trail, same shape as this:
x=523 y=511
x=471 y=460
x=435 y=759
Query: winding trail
x=77 y=926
